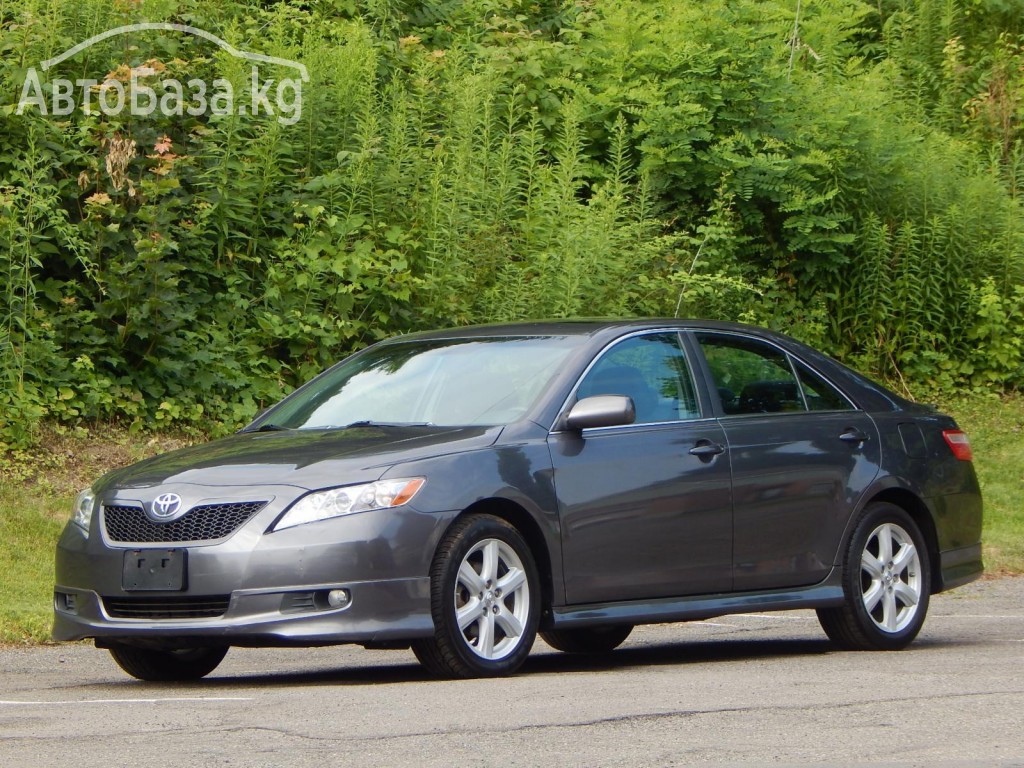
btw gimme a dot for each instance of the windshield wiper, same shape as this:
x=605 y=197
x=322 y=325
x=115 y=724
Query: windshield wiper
x=372 y=423
x=268 y=427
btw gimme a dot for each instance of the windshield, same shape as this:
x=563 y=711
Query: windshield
x=451 y=382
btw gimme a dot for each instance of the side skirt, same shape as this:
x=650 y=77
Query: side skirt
x=827 y=594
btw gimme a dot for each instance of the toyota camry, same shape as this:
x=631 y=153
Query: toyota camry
x=459 y=492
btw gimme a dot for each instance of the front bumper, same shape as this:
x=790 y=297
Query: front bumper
x=272 y=585
x=379 y=611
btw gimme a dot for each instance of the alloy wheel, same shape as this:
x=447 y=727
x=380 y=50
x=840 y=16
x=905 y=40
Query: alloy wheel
x=891 y=577
x=492 y=599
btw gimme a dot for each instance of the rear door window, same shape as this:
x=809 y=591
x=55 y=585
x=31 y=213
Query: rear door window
x=750 y=376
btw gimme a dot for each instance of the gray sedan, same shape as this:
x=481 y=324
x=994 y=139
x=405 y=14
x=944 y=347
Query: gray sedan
x=458 y=492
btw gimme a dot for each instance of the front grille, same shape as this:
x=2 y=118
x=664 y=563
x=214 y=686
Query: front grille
x=206 y=523
x=205 y=607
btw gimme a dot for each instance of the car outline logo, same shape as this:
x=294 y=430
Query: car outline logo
x=166 y=506
x=167 y=26
x=62 y=94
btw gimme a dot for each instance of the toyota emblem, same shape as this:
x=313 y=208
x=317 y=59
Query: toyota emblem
x=166 y=506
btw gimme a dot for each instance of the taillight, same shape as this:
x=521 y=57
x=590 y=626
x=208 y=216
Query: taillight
x=958 y=444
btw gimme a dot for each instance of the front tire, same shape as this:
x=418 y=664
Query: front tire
x=485 y=601
x=179 y=665
x=886 y=581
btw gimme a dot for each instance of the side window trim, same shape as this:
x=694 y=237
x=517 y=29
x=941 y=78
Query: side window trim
x=706 y=412
x=706 y=401
x=799 y=384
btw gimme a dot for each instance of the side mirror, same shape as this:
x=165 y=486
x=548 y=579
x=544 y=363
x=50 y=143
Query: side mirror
x=601 y=411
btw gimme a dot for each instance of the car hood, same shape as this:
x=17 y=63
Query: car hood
x=306 y=459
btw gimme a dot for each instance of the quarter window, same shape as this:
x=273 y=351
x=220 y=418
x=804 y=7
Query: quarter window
x=650 y=369
x=819 y=394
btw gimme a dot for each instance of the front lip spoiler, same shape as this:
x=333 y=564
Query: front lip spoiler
x=380 y=611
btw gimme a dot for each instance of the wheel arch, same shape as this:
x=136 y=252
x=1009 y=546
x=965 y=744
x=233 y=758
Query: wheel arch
x=519 y=518
x=919 y=512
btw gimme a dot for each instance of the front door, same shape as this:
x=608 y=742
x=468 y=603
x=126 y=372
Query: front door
x=642 y=516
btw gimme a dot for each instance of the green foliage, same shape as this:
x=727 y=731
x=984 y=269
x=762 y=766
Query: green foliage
x=998 y=353
x=851 y=175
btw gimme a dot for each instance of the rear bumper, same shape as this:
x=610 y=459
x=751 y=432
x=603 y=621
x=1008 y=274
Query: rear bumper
x=959 y=566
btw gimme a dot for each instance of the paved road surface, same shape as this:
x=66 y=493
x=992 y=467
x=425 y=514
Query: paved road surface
x=741 y=690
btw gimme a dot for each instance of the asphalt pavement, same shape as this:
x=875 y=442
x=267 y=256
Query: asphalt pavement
x=739 y=690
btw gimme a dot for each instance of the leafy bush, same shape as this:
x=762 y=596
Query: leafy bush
x=851 y=175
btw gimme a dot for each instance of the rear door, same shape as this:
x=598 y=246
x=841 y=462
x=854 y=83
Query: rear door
x=801 y=455
x=644 y=514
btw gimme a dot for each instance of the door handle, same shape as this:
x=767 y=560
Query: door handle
x=705 y=449
x=853 y=435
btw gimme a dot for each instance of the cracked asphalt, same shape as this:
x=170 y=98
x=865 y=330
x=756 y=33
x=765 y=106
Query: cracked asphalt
x=739 y=690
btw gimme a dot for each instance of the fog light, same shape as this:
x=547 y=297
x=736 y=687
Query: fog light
x=339 y=598
x=66 y=602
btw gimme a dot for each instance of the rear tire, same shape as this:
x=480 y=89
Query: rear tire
x=886 y=582
x=485 y=601
x=591 y=640
x=177 y=665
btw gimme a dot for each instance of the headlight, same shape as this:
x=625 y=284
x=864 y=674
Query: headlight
x=83 y=509
x=322 y=505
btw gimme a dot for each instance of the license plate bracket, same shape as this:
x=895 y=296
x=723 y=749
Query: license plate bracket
x=154 y=570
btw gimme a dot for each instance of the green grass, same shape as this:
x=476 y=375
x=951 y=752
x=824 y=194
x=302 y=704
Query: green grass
x=30 y=523
x=996 y=428
x=37 y=491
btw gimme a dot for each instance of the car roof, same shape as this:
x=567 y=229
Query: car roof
x=869 y=394
x=585 y=327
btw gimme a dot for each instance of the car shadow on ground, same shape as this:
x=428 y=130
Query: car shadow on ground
x=541 y=662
